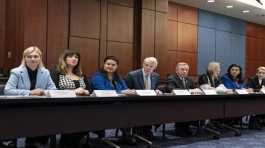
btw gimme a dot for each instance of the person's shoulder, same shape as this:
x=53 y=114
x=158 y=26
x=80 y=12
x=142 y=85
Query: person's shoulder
x=155 y=74
x=135 y=72
x=97 y=75
x=18 y=69
x=171 y=76
x=44 y=70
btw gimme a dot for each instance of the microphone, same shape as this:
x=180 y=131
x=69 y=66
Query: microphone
x=259 y=1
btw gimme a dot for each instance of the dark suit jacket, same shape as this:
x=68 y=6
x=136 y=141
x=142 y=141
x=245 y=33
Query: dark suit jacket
x=174 y=82
x=135 y=79
x=253 y=82
x=205 y=78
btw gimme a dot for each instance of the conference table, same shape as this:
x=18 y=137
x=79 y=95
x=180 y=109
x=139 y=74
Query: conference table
x=37 y=116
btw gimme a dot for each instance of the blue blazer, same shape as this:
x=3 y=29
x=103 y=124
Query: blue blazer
x=19 y=83
x=99 y=81
x=230 y=84
x=135 y=80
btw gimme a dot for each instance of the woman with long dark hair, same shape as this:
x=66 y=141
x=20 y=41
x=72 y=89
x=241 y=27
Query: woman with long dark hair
x=233 y=78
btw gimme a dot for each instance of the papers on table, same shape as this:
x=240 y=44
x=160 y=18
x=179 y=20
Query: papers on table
x=146 y=92
x=181 y=92
x=105 y=93
x=241 y=91
x=209 y=91
x=61 y=93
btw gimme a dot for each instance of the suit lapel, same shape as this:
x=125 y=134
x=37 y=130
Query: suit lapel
x=179 y=82
x=25 y=77
x=39 y=78
x=141 y=79
x=153 y=81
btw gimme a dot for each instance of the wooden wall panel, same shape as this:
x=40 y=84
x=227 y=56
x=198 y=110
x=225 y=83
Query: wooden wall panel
x=85 y=18
x=128 y=3
x=124 y=52
x=35 y=20
x=187 y=14
x=173 y=11
x=251 y=48
x=171 y=67
x=255 y=47
x=161 y=42
x=2 y=31
x=89 y=50
x=120 y=23
x=182 y=35
x=251 y=67
x=162 y=5
x=187 y=37
x=57 y=32
x=149 y=4
x=172 y=35
x=148 y=33
x=14 y=38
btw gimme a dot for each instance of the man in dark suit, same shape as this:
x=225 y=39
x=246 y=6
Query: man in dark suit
x=144 y=78
x=180 y=80
x=256 y=83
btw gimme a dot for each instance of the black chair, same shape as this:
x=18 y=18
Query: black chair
x=2 y=87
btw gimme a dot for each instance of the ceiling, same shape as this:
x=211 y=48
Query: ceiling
x=256 y=15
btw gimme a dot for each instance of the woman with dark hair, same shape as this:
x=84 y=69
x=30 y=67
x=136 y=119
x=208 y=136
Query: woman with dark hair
x=68 y=75
x=107 y=78
x=233 y=78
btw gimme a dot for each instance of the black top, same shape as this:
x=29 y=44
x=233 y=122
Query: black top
x=32 y=77
x=55 y=75
x=253 y=83
x=206 y=79
x=77 y=83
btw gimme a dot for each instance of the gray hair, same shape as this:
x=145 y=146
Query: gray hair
x=151 y=60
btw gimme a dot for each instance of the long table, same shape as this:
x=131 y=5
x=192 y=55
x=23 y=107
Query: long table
x=36 y=116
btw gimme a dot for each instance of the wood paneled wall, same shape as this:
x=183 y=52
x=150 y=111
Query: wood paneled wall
x=182 y=37
x=255 y=48
x=2 y=31
x=96 y=28
x=154 y=32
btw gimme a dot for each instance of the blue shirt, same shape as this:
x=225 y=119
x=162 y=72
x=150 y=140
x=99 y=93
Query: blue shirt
x=99 y=81
x=230 y=84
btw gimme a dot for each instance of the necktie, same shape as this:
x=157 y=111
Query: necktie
x=184 y=82
x=146 y=82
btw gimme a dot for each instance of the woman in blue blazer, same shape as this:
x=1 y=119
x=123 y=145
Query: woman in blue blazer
x=108 y=78
x=30 y=78
x=233 y=78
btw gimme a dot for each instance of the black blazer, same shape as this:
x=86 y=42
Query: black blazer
x=253 y=83
x=135 y=80
x=174 y=82
x=205 y=78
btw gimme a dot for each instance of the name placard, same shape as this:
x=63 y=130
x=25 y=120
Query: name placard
x=181 y=92
x=61 y=93
x=262 y=90
x=146 y=92
x=209 y=91
x=241 y=91
x=105 y=93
